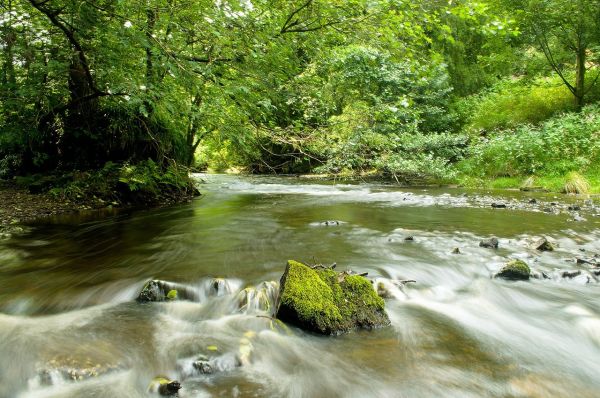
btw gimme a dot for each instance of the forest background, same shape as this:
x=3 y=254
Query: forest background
x=98 y=94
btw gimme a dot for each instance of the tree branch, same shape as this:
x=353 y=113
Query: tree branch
x=52 y=15
x=288 y=22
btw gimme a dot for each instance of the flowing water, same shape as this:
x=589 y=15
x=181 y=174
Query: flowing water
x=70 y=325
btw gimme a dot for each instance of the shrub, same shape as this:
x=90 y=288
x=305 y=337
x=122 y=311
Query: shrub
x=513 y=102
x=568 y=142
x=141 y=183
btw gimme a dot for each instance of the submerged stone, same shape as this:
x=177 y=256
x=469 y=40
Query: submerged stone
x=514 y=270
x=317 y=300
x=61 y=369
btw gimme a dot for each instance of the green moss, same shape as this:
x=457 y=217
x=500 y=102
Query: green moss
x=172 y=295
x=328 y=302
x=514 y=269
x=310 y=296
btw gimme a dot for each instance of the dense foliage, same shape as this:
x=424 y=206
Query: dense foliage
x=415 y=90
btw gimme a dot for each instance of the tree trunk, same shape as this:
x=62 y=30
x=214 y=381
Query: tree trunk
x=79 y=139
x=8 y=69
x=580 y=78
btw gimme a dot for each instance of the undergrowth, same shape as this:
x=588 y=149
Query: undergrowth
x=143 y=183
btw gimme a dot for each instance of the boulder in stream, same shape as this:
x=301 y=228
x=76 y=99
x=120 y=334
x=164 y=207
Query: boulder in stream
x=328 y=302
x=543 y=245
x=491 y=243
x=157 y=291
x=164 y=386
x=514 y=270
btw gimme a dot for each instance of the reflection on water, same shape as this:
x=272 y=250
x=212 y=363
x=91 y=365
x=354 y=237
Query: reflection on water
x=70 y=327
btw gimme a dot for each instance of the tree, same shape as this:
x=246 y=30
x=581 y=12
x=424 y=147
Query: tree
x=568 y=33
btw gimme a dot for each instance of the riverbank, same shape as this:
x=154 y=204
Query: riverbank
x=18 y=206
x=144 y=185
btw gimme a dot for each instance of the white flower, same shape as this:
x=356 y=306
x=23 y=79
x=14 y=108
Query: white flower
x=128 y=24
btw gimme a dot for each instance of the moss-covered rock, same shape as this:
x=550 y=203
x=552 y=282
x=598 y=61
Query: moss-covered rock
x=514 y=270
x=327 y=302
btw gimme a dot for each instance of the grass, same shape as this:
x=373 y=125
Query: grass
x=572 y=182
x=576 y=183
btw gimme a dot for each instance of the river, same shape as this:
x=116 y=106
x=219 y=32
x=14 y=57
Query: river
x=68 y=287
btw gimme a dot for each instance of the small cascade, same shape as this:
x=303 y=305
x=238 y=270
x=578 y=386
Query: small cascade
x=389 y=289
x=259 y=299
x=216 y=287
x=158 y=290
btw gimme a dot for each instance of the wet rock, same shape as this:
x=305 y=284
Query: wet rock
x=574 y=207
x=409 y=238
x=203 y=367
x=543 y=245
x=514 y=270
x=315 y=300
x=456 y=250
x=498 y=205
x=590 y=261
x=158 y=291
x=219 y=287
x=164 y=386
x=583 y=279
x=532 y=201
x=539 y=275
x=384 y=291
x=331 y=223
x=570 y=273
x=258 y=299
x=491 y=243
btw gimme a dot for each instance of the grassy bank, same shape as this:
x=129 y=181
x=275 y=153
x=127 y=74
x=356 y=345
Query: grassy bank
x=587 y=184
x=562 y=154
